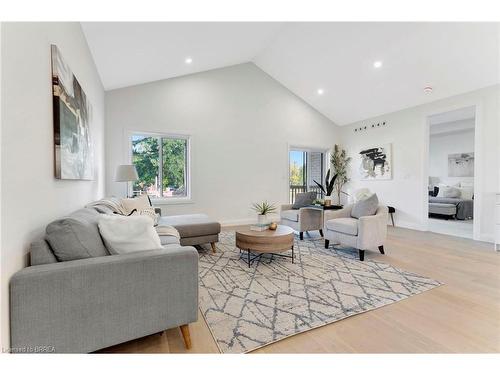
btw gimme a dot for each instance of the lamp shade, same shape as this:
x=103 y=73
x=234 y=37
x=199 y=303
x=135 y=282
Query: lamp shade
x=125 y=173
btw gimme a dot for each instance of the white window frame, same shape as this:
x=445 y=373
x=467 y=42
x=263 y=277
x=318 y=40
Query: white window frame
x=165 y=200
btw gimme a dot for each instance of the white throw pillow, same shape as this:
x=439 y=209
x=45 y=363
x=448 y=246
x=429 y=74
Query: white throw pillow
x=139 y=203
x=125 y=234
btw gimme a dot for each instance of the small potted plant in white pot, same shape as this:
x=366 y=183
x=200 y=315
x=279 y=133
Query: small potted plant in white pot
x=262 y=210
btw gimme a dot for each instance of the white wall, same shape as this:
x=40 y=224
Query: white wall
x=407 y=130
x=241 y=122
x=31 y=196
x=444 y=144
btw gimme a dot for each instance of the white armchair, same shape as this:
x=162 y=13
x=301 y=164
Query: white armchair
x=302 y=220
x=365 y=233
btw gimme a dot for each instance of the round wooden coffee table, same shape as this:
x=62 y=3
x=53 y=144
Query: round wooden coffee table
x=266 y=242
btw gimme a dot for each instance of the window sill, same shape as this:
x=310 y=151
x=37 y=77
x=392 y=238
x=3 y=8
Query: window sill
x=170 y=201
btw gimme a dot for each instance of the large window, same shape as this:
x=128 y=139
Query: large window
x=162 y=163
x=305 y=168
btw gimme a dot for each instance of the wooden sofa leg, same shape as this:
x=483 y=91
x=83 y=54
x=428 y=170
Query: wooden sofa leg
x=301 y=235
x=327 y=243
x=361 y=255
x=186 y=336
x=213 y=247
x=381 y=249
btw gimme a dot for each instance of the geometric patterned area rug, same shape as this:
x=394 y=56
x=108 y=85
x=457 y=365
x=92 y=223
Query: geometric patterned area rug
x=247 y=308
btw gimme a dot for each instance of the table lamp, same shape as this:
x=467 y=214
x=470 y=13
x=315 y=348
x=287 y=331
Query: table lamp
x=126 y=173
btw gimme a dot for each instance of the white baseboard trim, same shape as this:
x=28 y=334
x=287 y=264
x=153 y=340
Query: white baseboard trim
x=228 y=223
x=410 y=225
x=486 y=238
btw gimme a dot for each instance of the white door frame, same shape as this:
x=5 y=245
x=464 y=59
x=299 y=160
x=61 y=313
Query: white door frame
x=478 y=164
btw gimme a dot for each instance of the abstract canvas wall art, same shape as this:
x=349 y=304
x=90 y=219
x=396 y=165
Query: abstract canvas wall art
x=461 y=165
x=376 y=163
x=73 y=152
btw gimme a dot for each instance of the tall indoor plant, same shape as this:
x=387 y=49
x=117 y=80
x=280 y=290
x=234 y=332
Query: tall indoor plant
x=340 y=163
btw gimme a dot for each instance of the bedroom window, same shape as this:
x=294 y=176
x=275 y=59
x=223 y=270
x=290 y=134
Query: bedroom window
x=162 y=163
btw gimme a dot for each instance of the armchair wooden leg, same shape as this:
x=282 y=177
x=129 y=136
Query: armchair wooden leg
x=213 y=247
x=361 y=255
x=301 y=234
x=327 y=243
x=381 y=249
x=321 y=232
x=186 y=336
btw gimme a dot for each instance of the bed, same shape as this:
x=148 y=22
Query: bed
x=464 y=207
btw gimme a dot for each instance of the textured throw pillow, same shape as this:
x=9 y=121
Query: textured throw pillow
x=125 y=234
x=304 y=199
x=365 y=207
x=150 y=212
x=140 y=203
x=76 y=236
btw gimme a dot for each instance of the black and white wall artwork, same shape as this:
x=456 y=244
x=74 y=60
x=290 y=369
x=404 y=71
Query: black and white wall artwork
x=72 y=116
x=461 y=165
x=376 y=163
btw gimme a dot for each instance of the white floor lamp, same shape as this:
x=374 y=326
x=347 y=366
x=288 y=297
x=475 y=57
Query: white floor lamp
x=126 y=173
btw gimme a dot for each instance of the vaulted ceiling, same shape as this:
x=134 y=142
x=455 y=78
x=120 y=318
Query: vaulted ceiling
x=329 y=65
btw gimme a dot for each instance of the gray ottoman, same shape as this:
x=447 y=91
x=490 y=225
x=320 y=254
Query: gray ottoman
x=195 y=229
x=445 y=209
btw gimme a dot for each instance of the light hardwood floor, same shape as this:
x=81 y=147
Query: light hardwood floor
x=461 y=316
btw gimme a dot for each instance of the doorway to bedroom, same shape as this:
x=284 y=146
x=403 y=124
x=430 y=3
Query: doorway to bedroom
x=451 y=172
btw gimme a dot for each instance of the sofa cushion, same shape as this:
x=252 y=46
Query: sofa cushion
x=76 y=236
x=194 y=225
x=292 y=215
x=304 y=199
x=41 y=253
x=365 y=207
x=346 y=225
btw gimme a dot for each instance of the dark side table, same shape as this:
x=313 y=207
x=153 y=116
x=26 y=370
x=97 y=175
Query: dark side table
x=392 y=210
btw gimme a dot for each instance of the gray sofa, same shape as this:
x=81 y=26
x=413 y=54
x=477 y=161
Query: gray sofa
x=83 y=305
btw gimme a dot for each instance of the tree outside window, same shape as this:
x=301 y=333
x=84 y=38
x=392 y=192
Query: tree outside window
x=161 y=164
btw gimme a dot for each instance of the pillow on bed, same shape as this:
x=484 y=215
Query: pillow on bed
x=452 y=192
x=466 y=193
x=446 y=191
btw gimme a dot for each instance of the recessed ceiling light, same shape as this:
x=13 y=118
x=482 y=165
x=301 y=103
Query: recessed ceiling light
x=188 y=60
x=377 y=64
x=428 y=89
x=320 y=91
